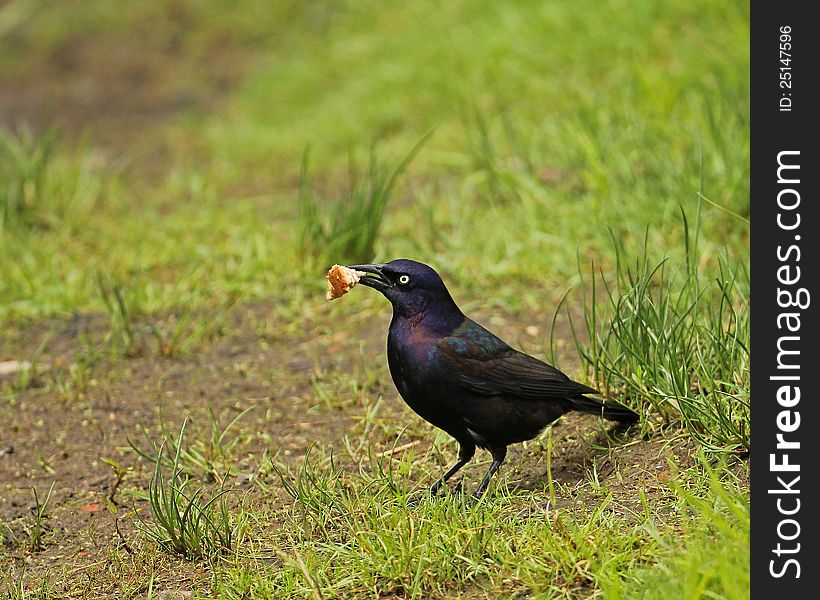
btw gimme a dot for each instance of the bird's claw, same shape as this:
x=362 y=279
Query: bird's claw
x=434 y=490
x=416 y=497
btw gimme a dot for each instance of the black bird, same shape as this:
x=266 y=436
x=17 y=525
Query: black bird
x=463 y=379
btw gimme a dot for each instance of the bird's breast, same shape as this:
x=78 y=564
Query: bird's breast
x=415 y=368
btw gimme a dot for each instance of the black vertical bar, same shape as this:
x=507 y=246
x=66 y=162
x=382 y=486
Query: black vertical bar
x=785 y=56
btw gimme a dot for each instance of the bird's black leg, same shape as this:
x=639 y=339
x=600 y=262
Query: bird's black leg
x=466 y=451
x=499 y=454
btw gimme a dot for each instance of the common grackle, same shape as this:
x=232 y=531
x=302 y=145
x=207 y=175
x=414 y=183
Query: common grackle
x=465 y=380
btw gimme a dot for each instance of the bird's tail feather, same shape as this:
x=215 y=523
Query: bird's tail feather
x=612 y=411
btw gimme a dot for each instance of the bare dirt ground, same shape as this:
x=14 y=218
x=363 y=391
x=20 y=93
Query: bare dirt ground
x=62 y=438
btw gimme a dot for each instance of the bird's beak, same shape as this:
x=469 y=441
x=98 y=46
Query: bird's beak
x=374 y=278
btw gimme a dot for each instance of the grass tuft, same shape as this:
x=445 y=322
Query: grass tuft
x=41 y=185
x=663 y=339
x=38 y=530
x=182 y=521
x=122 y=315
x=348 y=230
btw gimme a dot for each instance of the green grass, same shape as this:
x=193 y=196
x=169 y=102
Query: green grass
x=44 y=185
x=37 y=530
x=601 y=148
x=181 y=520
x=349 y=233
x=351 y=532
x=627 y=138
x=714 y=560
x=672 y=344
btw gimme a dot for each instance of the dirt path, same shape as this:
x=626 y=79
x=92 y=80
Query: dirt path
x=61 y=435
x=56 y=433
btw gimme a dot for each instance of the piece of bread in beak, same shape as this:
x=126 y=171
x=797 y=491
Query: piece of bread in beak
x=340 y=280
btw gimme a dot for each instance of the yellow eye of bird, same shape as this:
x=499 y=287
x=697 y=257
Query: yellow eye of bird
x=404 y=279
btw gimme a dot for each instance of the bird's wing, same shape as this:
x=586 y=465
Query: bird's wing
x=484 y=364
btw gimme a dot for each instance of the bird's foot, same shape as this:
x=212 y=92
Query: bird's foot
x=415 y=498
x=418 y=496
x=476 y=497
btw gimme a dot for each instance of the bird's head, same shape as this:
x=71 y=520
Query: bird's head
x=412 y=287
